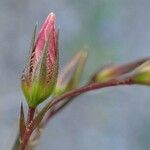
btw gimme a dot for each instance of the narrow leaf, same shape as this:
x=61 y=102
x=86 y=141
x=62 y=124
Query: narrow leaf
x=31 y=50
x=22 y=121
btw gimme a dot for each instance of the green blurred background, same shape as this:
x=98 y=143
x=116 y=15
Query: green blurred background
x=115 y=31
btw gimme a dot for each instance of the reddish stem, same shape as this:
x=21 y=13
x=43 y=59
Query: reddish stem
x=77 y=92
x=52 y=112
x=90 y=87
x=28 y=130
x=31 y=112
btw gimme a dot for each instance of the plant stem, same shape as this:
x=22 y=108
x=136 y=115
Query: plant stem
x=28 y=130
x=87 y=88
x=35 y=122
x=48 y=118
x=76 y=92
x=31 y=112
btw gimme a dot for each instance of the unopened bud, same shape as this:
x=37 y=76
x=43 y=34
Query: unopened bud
x=111 y=71
x=40 y=74
x=141 y=75
x=69 y=78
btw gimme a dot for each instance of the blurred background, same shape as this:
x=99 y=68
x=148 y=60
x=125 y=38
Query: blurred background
x=115 y=31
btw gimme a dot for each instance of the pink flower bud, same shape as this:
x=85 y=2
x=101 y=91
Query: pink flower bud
x=40 y=74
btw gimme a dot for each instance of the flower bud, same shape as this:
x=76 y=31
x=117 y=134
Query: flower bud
x=106 y=73
x=70 y=77
x=111 y=71
x=141 y=75
x=40 y=74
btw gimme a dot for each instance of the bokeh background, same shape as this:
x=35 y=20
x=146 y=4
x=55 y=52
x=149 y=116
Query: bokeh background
x=115 y=31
